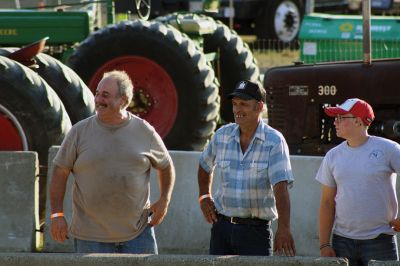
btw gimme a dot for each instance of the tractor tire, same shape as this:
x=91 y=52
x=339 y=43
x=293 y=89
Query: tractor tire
x=174 y=86
x=76 y=97
x=236 y=61
x=32 y=116
x=280 y=20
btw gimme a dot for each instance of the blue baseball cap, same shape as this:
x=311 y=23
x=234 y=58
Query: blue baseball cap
x=248 y=90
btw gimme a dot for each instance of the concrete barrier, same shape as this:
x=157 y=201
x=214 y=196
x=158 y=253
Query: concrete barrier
x=22 y=259
x=19 y=218
x=383 y=263
x=184 y=230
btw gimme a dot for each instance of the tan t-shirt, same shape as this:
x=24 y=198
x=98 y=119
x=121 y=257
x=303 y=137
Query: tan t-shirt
x=111 y=169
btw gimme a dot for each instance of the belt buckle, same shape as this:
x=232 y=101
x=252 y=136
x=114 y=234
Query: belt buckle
x=232 y=221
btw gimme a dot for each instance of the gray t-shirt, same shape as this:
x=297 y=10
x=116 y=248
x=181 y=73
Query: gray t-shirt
x=365 y=178
x=111 y=170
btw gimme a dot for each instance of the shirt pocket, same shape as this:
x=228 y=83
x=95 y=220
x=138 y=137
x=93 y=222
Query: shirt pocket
x=260 y=169
x=223 y=166
x=260 y=175
x=222 y=170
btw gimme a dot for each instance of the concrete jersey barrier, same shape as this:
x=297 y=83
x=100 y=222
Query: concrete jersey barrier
x=184 y=230
x=50 y=259
x=19 y=217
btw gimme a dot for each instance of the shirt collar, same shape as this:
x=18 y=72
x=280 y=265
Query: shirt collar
x=259 y=134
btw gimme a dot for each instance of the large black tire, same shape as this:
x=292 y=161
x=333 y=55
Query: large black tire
x=76 y=97
x=30 y=106
x=280 y=20
x=134 y=46
x=236 y=61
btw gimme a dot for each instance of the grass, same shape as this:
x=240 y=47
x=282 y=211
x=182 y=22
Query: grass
x=272 y=58
x=271 y=53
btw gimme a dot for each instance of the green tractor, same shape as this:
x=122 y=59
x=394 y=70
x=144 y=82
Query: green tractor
x=180 y=65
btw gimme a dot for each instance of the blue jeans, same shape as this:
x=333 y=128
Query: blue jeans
x=359 y=252
x=240 y=239
x=145 y=243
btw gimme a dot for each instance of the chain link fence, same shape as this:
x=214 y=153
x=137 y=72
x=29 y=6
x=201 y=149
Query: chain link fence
x=271 y=53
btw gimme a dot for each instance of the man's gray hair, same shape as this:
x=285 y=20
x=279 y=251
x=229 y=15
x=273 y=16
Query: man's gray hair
x=124 y=83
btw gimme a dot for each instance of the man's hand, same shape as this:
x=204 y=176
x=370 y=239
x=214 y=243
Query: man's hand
x=327 y=252
x=166 y=181
x=159 y=210
x=59 y=229
x=284 y=243
x=206 y=204
x=395 y=224
x=208 y=208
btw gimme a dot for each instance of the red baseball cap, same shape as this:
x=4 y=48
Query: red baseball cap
x=354 y=106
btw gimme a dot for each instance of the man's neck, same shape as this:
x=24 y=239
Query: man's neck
x=357 y=141
x=247 y=131
x=114 y=119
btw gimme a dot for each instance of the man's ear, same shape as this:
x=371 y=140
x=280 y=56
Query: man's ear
x=260 y=106
x=359 y=122
x=124 y=100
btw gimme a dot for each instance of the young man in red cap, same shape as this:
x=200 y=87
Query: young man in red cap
x=358 y=201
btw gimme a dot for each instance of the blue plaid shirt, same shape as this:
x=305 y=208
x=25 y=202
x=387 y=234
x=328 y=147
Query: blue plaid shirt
x=247 y=180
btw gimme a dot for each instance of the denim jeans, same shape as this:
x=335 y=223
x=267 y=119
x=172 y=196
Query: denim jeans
x=359 y=252
x=240 y=239
x=145 y=243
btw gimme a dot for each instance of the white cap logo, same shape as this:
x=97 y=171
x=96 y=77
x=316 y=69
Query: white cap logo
x=242 y=85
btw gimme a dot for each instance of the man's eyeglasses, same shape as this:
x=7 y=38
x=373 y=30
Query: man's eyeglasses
x=340 y=118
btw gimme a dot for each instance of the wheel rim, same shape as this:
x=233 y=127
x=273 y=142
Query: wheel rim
x=12 y=136
x=155 y=98
x=287 y=21
x=143 y=8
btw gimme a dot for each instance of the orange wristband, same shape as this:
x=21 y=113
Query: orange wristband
x=204 y=197
x=57 y=214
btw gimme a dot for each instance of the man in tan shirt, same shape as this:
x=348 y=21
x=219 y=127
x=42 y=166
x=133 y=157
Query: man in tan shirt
x=110 y=155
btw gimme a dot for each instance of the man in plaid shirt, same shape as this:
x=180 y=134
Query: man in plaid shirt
x=252 y=160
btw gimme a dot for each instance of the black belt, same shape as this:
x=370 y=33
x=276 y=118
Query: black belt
x=248 y=221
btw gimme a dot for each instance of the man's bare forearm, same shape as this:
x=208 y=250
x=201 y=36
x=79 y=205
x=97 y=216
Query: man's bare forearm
x=282 y=204
x=166 y=179
x=204 y=179
x=57 y=188
x=327 y=211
